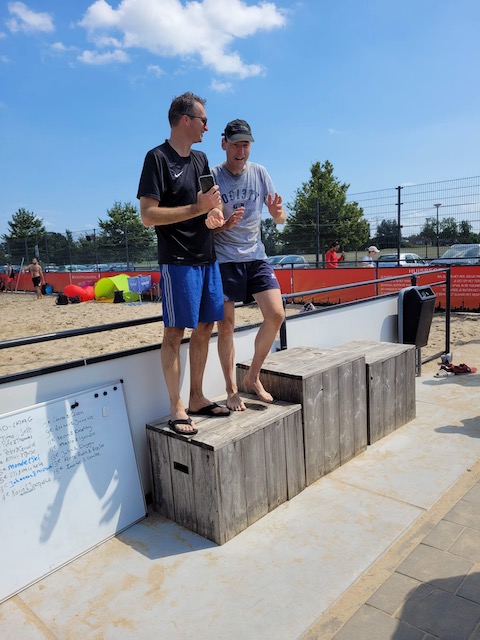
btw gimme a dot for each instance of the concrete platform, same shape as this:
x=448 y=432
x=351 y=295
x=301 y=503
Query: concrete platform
x=386 y=546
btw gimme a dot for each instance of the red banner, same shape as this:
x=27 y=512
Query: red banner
x=465 y=284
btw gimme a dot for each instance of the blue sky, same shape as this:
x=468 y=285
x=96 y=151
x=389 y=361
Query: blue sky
x=386 y=91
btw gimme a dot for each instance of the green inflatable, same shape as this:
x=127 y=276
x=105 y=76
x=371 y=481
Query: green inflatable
x=105 y=289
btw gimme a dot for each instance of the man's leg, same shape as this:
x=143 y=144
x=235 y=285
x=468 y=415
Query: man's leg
x=198 y=358
x=170 y=354
x=226 y=353
x=271 y=306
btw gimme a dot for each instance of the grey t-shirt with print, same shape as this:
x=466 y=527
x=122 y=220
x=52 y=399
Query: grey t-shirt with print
x=242 y=243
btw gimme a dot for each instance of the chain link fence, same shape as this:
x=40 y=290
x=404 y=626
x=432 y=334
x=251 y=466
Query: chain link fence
x=426 y=217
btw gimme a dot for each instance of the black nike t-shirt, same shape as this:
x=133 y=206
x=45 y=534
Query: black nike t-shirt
x=173 y=181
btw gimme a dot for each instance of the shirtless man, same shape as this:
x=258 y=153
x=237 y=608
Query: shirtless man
x=37 y=277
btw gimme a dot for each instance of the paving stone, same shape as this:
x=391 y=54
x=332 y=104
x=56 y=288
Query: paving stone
x=467 y=545
x=393 y=593
x=440 y=568
x=474 y=494
x=440 y=613
x=443 y=535
x=369 y=623
x=466 y=513
x=470 y=587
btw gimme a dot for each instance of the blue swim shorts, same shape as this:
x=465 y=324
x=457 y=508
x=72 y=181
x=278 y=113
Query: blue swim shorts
x=191 y=294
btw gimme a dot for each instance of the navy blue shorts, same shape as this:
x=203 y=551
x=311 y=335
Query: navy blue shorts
x=242 y=279
x=191 y=295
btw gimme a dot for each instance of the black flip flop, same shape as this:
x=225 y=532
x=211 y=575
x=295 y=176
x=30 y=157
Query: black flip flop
x=173 y=424
x=209 y=411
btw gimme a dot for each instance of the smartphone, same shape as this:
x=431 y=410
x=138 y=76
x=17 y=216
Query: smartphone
x=206 y=182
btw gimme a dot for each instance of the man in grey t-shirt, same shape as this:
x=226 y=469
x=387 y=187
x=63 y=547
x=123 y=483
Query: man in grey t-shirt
x=246 y=275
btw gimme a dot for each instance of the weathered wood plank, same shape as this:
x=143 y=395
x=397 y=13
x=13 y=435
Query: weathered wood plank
x=231 y=490
x=276 y=463
x=313 y=428
x=400 y=379
x=183 y=497
x=375 y=402
x=359 y=395
x=253 y=453
x=295 y=457
x=162 y=491
x=345 y=412
x=205 y=491
x=389 y=393
x=331 y=420
x=410 y=388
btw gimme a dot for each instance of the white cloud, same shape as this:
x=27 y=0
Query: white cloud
x=155 y=70
x=4 y=59
x=2 y=35
x=28 y=21
x=95 y=58
x=204 y=30
x=221 y=87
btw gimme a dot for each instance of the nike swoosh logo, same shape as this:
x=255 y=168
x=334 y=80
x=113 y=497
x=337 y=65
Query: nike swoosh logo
x=177 y=175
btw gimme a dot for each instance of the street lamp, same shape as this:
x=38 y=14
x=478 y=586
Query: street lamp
x=438 y=245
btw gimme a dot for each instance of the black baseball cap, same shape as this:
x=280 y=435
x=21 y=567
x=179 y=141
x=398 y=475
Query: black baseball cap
x=238 y=130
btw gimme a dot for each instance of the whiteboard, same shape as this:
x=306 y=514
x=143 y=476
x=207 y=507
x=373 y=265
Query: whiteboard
x=68 y=481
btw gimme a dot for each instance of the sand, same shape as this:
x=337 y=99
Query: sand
x=23 y=316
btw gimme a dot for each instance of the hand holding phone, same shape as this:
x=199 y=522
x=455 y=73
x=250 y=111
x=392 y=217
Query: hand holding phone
x=206 y=182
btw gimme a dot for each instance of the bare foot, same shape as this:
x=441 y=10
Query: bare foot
x=234 y=402
x=257 y=387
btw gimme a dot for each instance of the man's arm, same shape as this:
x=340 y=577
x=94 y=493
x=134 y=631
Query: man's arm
x=153 y=214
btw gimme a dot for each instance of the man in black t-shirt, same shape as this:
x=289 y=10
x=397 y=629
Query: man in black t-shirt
x=184 y=217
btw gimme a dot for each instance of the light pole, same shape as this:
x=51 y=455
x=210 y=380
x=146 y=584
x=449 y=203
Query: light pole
x=438 y=245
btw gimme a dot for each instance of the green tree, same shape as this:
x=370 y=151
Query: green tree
x=55 y=248
x=387 y=234
x=122 y=236
x=429 y=230
x=465 y=233
x=22 y=240
x=25 y=223
x=271 y=238
x=338 y=219
x=448 y=232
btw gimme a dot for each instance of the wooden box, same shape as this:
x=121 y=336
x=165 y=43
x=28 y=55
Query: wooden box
x=230 y=474
x=331 y=390
x=391 y=384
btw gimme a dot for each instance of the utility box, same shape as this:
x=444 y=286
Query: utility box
x=416 y=306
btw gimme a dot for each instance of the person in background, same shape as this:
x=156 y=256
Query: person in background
x=10 y=275
x=183 y=217
x=369 y=259
x=332 y=258
x=246 y=275
x=35 y=270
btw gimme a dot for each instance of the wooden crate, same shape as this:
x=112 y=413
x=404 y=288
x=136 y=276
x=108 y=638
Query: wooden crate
x=391 y=384
x=331 y=390
x=230 y=474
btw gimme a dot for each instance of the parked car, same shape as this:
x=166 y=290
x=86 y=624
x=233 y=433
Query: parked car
x=406 y=260
x=459 y=254
x=288 y=262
